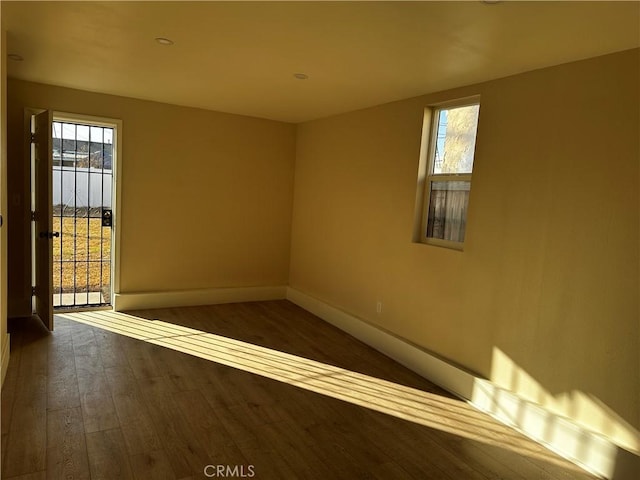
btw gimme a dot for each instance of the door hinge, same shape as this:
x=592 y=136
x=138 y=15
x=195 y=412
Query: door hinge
x=33 y=291
x=33 y=216
x=33 y=138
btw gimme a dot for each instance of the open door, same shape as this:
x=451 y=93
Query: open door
x=42 y=162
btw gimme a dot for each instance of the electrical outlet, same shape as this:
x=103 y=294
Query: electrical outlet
x=379 y=307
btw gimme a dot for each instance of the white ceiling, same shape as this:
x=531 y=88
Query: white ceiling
x=240 y=57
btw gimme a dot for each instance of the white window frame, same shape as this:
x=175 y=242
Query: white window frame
x=427 y=164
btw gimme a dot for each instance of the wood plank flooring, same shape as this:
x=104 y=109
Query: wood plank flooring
x=87 y=403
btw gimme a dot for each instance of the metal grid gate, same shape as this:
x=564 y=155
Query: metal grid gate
x=82 y=213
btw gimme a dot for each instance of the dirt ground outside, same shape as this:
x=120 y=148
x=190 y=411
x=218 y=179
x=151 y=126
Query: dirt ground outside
x=81 y=255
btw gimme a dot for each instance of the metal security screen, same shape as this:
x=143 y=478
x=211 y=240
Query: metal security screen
x=82 y=202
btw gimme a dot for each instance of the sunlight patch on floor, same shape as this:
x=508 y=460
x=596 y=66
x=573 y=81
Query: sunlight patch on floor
x=424 y=408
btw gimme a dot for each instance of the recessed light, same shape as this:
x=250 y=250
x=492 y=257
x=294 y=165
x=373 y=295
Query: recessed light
x=164 y=41
x=301 y=76
x=15 y=57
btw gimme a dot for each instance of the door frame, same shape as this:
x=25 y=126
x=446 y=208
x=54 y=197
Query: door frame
x=116 y=233
x=116 y=193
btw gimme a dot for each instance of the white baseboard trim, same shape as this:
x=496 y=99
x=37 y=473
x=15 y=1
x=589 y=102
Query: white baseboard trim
x=590 y=450
x=440 y=372
x=185 y=298
x=6 y=347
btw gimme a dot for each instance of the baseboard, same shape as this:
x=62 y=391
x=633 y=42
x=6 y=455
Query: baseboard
x=591 y=450
x=442 y=373
x=185 y=298
x=6 y=352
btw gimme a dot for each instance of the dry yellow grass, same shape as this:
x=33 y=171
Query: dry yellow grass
x=89 y=242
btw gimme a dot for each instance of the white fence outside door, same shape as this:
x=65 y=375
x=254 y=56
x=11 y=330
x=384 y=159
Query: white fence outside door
x=81 y=187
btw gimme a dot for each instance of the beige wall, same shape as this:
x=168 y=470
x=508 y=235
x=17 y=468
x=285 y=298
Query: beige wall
x=4 y=344
x=206 y=196
x=544 y=298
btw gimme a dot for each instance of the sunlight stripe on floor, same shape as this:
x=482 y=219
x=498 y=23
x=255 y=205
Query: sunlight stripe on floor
x=424 y=408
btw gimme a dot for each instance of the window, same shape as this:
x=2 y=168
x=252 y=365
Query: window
x=449 y=165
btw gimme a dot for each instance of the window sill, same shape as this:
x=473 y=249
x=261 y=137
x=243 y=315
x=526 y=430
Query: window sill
x=438 y=242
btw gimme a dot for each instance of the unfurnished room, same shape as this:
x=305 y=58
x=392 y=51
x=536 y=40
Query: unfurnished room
x=320 y=240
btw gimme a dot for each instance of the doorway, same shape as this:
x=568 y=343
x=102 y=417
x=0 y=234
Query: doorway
x=82 y=156
x=82 y=210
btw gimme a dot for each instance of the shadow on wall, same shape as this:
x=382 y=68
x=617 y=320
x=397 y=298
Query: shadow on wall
x=575 y=424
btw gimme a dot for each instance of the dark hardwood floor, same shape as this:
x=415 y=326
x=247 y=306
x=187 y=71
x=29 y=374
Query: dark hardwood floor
x=88 y=402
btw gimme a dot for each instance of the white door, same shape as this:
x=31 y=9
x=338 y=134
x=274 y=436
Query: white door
x=43 y=218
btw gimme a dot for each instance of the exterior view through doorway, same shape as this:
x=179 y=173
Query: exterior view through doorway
x=83 y=211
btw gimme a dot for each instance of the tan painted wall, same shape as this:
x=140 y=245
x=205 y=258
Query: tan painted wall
x=544 y=298
x=206 y=196
x=4 y=353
